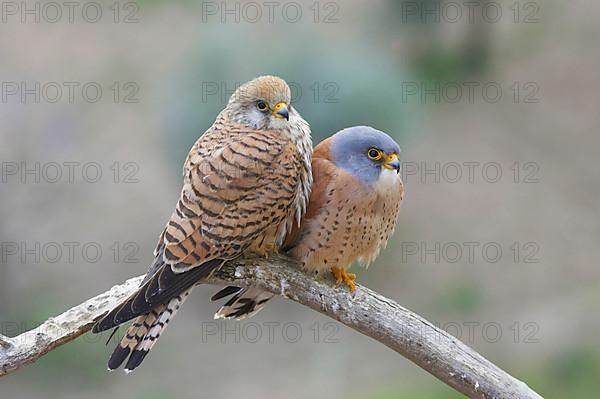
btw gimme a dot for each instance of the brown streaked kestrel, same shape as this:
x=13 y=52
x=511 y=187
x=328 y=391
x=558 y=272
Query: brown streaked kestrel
x=246 y=185
x=352 y=212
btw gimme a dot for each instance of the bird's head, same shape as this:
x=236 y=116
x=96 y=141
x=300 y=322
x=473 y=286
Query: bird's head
x=368 y=154
x=262 y=103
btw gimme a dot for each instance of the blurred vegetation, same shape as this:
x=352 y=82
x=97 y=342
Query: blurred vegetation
x=432 y=56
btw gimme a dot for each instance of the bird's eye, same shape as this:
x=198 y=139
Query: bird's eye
x=375 y=154
x=262 y=106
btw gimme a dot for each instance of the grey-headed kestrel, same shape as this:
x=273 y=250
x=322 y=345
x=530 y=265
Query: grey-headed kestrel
x=352 y=212
x=247 y=181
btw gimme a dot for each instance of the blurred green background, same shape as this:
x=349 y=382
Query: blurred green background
x=350 y=62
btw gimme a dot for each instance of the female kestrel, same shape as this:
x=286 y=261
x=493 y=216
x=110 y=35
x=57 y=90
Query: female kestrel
x=352 y=212
x=246 y=185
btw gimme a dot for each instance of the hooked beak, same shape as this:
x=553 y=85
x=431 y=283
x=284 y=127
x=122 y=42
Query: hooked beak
x=281 y=111
x=392 y=162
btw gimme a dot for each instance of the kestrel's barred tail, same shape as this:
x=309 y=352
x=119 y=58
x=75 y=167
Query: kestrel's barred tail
x=143 y=333
x=245 y=302
x=158 y=288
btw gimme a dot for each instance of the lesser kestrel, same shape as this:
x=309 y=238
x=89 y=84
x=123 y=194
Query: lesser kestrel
x=246 y=185
x=352 y=212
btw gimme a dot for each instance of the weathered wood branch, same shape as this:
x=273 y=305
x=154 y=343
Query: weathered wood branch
x=407 y=333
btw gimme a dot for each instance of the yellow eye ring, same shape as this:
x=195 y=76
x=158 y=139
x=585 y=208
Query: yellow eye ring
x=374 y=154
x=262 y=106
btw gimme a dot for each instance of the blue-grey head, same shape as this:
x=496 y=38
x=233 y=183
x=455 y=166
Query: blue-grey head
x=366 y=153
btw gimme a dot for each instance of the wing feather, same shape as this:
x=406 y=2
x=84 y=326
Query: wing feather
x=237 y=184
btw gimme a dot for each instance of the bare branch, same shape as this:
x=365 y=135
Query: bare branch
x=33 y=344
x=407 y=333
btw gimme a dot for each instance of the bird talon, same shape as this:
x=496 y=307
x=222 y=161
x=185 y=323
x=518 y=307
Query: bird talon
x=337 y=274
x=350 y=283
x=341 y=276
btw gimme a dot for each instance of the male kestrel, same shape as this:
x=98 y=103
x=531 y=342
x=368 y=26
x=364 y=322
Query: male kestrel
x=352 y=212
x=246 y=185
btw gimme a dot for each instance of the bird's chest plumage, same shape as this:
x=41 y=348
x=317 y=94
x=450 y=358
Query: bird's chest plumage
x=353 y=225
x=294 y=178
x=374 y=226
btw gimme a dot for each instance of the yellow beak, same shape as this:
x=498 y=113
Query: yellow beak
x=281 y=111
x=392 y=162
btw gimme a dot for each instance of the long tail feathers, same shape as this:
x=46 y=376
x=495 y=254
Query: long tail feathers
x=156 y=289
x=245 y=302
x=143 y=333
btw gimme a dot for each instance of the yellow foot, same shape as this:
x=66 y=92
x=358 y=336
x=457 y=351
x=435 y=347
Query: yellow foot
x=341 y=276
